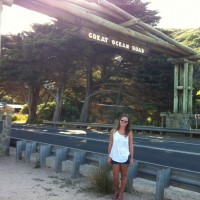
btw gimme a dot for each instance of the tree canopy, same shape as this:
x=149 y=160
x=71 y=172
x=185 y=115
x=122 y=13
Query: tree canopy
x=53 y=64
x=139 y=9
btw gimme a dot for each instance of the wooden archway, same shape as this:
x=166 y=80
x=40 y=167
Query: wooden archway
x=105 y=23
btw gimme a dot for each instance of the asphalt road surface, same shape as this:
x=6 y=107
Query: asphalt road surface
x=182 y=153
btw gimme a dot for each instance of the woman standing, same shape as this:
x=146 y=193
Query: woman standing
x=120 y=154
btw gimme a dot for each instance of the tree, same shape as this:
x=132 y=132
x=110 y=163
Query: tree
x=59 y=40
x=136 y=8
x=98 y=69
x=10 y=68
x=139 y=10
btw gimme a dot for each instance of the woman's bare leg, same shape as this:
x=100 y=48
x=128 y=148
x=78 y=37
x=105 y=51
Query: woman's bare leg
x=116 y=171
x=124 y=170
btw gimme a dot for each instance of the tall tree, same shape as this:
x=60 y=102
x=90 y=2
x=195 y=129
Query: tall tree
x=98 y=70
x=10 y=68
x=139 y=9
x=59 y=39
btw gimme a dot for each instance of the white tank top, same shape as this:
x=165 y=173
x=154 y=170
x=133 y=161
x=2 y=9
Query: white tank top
x=120 y=148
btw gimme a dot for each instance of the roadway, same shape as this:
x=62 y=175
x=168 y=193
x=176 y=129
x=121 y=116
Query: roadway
x=182 y=153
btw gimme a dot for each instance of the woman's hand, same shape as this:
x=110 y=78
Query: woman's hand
x=109 y=160
x=131 y=162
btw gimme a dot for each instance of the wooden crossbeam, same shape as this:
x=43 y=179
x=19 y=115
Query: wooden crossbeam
x=7 y=2
x=180 y=61
x=110 y=26
x=115 y=42
x=106 y=18
x=129 y=23
x=147 y=27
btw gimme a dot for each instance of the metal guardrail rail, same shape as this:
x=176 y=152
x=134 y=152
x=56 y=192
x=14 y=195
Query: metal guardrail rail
x=163 y=175
x=161 y=130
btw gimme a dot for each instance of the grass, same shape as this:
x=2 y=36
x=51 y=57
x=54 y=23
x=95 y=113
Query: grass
x=48 y=189
x=101 y=179
x=37 y=179
x=37 y=163
x=69 y=183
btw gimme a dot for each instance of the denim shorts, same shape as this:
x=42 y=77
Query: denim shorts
x=124 y=163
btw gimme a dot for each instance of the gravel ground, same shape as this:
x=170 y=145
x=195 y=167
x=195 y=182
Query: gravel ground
x=22 y=181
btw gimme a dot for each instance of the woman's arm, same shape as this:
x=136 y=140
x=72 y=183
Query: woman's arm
x=110 y=141
x=131 y=147
x=110 y=146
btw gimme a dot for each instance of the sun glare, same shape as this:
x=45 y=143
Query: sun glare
x=174 y=14
x=25 y=18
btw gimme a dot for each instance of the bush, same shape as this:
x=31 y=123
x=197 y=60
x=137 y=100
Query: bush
x=24 y=109
x=19 y=118
x=101 y=179
x=69 y=112
x=47 y=112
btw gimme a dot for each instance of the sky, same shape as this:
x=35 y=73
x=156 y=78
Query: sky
x=174 y=14
x=177 y=13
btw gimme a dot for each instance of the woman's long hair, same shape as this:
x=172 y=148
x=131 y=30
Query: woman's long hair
x=128 y=125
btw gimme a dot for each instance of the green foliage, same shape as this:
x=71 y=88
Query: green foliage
x=140 y=86
x=19 y=118
x=7 y=99
x=139 y=9
x=101 y=179
x=37 y=163
x=69 y=112
x=189 y=37
x=24 y=109
x=35 y=121
x=47 y=112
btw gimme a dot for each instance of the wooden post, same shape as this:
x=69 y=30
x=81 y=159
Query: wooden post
x=183 y=81
x=185 y=88
x=176 y=88
x=180 y=109
x=190 y=83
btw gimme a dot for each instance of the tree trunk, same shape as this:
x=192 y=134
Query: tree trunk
x=33 y=102
x=58 y=106
x=85 y=109
x=86 y=105
x=116 y=109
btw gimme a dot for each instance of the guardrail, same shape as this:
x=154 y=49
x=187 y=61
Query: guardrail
x=163 y=175
x=150 y=129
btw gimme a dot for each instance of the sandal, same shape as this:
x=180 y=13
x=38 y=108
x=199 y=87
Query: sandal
x=115 y=196
x=119 y=198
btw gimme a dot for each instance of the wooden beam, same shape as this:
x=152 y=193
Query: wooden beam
x=83 y=13
x=7 y=2
x=147 y=27
x=180 y=61
x=129 y=23
x=111 y=27
x=93 y=7
x=55 y=13
x=194 y=57
x=114 y=42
